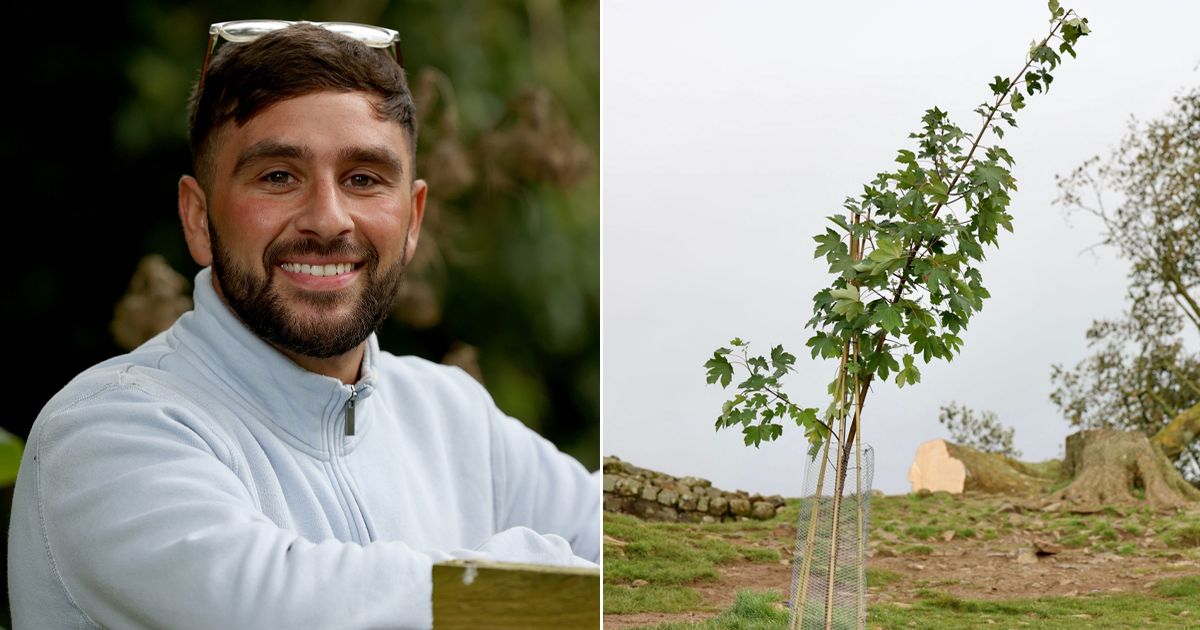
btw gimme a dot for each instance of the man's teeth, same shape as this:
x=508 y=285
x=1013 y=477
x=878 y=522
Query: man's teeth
x=319 y=270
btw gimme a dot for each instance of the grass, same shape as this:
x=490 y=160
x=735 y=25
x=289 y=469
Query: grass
x=921 y=532
x=882 y=577
x=1180 y=587
x=669 y=556
x=673 y=556
x=754 y=554
x=657 y=553
x=1175 y=606
x=750 y=611
x=1174 y=603
x=620 y=599
x=1185 y=535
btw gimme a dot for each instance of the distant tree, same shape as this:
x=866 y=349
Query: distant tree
x=982 y=431
x=1144 y=374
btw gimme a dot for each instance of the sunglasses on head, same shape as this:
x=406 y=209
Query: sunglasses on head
x=241 y=31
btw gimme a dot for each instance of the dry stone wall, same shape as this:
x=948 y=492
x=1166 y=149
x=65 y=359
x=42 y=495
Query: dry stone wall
x=657 y=496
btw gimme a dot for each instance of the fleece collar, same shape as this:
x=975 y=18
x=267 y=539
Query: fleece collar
x=303 y=407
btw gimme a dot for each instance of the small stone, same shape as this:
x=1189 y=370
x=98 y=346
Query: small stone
x=687 y=502
x=667 y=497
x=1026 y=556
x=739 y=506
x=948 y=535
x=638 y=583
x=628 y=487
x=1046 y=548
x=762 y=510
x=613 y=503
x=702 y=504
x=649 y=492
x=718 y=506
x=610 y=482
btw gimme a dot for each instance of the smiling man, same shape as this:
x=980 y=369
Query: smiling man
x=262 y=463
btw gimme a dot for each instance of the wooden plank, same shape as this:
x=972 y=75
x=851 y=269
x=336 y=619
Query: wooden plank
x=473 y=595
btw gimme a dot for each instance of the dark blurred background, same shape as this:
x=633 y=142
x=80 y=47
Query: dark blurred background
x=506 y=282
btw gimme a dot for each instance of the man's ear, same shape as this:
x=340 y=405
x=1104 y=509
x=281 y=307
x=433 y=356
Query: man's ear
x=193 y=213
x=419 y=190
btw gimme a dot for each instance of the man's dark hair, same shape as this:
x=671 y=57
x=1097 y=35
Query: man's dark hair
x=245 y=79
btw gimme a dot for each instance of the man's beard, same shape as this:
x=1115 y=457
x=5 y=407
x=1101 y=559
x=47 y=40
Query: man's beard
x=258 y=303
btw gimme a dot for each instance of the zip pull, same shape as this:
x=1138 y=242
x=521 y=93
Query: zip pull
x=350 y=411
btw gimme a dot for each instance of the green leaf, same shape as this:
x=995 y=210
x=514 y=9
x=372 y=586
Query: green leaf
x=993 y=176
x=825 y=346
x=752 y=435
x=906 y=157
x=937 y=277
x=910 y=375
x=1000 y=85
x=829 y=244
x=719 y=369
x=1017 y=101
x=887 y=251
x=806 y=417
x=882 y=363
x=887 y=317
x=847 y=293
x=936 y=190
x=781 y=359
x=840 y=221
x=752 y=382
x=849 y=303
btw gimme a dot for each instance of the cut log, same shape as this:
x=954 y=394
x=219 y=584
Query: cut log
x=1110 y=466
x=941 y=465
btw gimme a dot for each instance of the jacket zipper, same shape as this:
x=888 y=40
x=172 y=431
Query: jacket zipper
x=350 y=411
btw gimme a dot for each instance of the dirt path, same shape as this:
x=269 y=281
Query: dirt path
x=1007 y=568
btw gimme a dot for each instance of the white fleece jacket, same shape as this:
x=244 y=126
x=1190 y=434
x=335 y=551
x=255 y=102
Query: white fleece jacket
x=206 y=481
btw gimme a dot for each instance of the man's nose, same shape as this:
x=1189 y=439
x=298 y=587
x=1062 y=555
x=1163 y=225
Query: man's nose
x=325 y=213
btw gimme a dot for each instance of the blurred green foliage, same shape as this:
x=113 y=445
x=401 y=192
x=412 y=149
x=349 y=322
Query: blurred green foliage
x=11 y=448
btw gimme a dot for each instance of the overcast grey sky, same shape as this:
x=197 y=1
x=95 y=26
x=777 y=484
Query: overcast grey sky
x=731 y=129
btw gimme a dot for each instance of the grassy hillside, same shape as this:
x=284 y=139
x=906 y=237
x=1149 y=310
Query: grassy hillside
x=937 y=561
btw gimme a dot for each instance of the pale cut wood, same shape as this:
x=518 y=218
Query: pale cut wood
x=472 y=595
x=935 y=470
x=954 y=468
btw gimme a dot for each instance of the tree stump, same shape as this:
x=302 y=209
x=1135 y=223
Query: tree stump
x=941 y=465
x=1108 y=466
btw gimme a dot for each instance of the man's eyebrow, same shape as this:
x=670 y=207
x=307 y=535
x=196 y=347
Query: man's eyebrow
x=269 y=149
x=379 y=155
